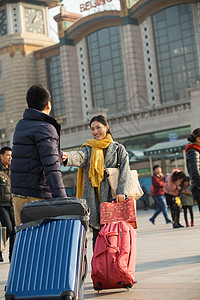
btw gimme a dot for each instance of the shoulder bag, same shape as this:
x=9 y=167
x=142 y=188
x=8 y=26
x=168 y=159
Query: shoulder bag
x=134 y=190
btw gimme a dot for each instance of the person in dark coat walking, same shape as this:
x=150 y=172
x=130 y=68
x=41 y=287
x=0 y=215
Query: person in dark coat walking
x=35 y=167
x=193 y=163
x=158 y=195
x=6 y=206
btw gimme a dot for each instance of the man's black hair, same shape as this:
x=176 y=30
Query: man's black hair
x=37 y=97
x=155 y=167
x=4 y=149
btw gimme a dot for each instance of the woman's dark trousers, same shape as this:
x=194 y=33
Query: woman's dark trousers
x=175 y=211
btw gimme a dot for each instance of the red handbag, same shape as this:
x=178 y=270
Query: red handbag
x=119 y=211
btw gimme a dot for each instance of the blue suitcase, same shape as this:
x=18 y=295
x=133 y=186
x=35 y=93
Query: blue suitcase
x=48 y=261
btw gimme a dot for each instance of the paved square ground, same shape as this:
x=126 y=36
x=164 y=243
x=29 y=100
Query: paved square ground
x=167 y=265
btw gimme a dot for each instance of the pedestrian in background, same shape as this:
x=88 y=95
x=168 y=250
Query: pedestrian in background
x=6 y=206
x=35 y=167
x=187 y=200
x=193 y=163
x=145 y=198
x=172 y=190
x=158 y=194
x=94 y=156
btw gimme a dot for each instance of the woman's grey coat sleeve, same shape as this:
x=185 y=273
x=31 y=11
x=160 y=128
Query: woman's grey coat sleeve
x=124 y=174
x=78 y=158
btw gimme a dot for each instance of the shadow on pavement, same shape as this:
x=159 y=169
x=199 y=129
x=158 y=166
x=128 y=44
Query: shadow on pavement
x=167 y=263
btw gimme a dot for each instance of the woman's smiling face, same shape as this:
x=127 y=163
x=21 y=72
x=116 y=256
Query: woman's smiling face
x=98 y=130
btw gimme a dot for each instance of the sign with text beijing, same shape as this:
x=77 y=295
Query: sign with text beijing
x=93 y=4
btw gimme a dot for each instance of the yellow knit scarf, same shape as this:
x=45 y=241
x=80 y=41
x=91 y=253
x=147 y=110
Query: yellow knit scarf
x=96 y=170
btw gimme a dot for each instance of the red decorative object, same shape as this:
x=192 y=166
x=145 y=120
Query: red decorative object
x=119 y=211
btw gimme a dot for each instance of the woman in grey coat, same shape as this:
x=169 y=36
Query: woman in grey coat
x=92 y=159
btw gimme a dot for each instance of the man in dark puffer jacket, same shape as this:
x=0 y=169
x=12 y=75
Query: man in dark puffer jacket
x=35 y=166
x=6 y=207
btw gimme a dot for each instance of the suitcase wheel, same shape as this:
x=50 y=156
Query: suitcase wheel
x=127 y=286
x=98 y=287
x=99 y=284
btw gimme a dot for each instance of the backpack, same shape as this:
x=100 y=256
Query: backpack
x=113 y=261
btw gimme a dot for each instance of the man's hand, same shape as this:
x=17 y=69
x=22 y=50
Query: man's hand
x=65 y=156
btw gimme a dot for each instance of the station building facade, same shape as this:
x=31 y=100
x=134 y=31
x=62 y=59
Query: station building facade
x=138 y=66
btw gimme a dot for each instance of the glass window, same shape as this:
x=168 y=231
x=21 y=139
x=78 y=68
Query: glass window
x=114 y=39
x=118 y=76
x=184 y=18
x=173 y=33
x=94 y=52
x=185 y=25
x=186 y=33
x=109 y=81
x=165 y=63
x=176 y=48
x=163 y=40
x=117 y=68
x=116 y=53
x=164 y=55
x=162 y=32
x=103 y=37
x=109 y=96
x=114 y=30
x=164 y=48
x=97 y=81
x=172 y=16
x=55 y=86
x=105 y=53
x=106 y=67
x=178 y=66
x=190 y=65
x=93 y=45
x=161 y=24
x=160 y=16
x=97 y=74
x=99 y=95
x=2 y=105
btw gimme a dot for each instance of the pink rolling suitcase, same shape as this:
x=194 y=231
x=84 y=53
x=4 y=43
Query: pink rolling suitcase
x=113 y=261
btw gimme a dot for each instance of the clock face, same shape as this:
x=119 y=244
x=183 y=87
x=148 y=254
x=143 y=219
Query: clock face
x=3 y=22
x=34 y=20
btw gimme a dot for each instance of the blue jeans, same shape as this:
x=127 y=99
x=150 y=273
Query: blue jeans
x=162 y=207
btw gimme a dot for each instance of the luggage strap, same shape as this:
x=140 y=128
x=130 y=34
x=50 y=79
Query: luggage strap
x=47 y=219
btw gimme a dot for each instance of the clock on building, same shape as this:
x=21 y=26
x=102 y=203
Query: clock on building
x=34 y=20
x=3 y=22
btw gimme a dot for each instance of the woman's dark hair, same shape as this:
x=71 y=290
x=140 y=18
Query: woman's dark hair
x=102 y=120
x=194 y=135
x=178 y=175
